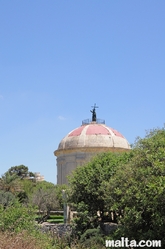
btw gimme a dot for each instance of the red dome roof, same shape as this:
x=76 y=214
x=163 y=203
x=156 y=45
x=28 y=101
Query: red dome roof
x=95 y=129
x=93 y=135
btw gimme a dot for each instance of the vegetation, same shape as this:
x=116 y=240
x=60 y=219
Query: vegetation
x=19 y=230
x=17 y=224
x=45 y=200
x=21 y=240
x=139 y=190
x=87 y=194
x=6 y=198
x=10 y=183
x=127 y=189
x=55 y=219
x=18 y=182
x=21 y=171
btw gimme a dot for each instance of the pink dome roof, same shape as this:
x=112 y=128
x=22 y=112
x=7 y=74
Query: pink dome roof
x=93 y=135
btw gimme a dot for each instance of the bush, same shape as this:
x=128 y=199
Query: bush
x=17 y=224
x=20 y=240
x=6 y=198
x=16 y=218
x=89 y=233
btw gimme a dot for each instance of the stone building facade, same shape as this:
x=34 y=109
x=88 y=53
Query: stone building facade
x=84 y=142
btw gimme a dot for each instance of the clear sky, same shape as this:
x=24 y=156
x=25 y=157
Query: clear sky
x=59 y=57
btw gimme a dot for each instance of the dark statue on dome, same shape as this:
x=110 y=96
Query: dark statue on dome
x=94 y=113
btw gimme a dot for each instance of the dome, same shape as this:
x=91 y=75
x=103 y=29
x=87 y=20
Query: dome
x=85 y=142
x=93 y=135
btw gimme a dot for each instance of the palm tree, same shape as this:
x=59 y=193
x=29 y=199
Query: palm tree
x=10 y=183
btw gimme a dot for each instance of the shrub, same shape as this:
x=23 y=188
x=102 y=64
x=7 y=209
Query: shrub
x=92 y=237
x=20 y=240
x=16 y=218
x=6 y=198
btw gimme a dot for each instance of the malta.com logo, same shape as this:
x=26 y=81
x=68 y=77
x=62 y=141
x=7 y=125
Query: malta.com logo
x=125 y=242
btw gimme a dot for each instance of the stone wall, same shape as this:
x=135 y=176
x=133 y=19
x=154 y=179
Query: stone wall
x=57 y=229
x=65 y=229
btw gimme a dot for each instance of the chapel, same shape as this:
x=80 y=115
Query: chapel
x=84 y=142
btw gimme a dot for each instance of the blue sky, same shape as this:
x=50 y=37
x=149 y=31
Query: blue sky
x=58 y=58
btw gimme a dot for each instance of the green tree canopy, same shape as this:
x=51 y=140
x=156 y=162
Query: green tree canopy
x=45 y=199
x=21 y=171
x=86 y=181
x=10 y=183
x=6 y=198
x=138 y=190
x=131 y=186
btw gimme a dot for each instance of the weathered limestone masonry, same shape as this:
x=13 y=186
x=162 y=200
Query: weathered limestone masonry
x=84 y=142
x=62 y=229
x=57 y=229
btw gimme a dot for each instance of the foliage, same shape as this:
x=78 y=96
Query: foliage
x=45 y=200
x=83 y=221
x=24 y=240
x=16 y=217
x=44 y=189
x=6 y=198
x=44 y=185
x=22 y=197
x=21 y=171
x=10 y=183
x=28 y=187
x=138 y=191
x=127 y=187
x=86 y=192
x=19 y=230
x=59 y=190
x=91 y=237
x=20 y=240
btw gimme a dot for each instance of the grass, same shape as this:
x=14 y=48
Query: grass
x=23 y=240
x=53 y=219
x=56 y=217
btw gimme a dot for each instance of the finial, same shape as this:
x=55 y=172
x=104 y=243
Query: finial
x=94 y=113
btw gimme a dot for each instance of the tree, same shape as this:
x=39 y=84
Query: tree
x=130 y=186
x=44 y=185
x=16 y=180
x=138 y=192
x=21 y=171
x=28 y=187
x=16 y=217
x=45 y=198
x=86 y=192
x=10 y=183
x=6 y=198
